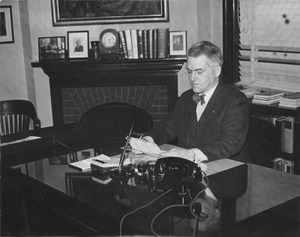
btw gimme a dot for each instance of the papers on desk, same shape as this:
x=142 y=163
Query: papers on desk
x=140 y=145
x=26 y=139
x=102 y=162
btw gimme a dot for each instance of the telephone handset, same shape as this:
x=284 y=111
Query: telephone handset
x=175 y=172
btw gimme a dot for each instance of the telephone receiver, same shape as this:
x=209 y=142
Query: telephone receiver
x=175 y=172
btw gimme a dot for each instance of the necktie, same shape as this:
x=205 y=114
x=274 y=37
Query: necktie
x=199 y=98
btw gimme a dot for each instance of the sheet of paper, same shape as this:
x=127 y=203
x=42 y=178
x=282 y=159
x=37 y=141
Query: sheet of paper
x=146 y=147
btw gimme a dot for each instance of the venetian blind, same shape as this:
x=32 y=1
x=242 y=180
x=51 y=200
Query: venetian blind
x=270 y=43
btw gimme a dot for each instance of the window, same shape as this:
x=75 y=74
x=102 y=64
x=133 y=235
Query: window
x=261 y=42
x=269 y=43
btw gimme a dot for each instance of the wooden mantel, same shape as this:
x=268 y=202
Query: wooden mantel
x=96 y=73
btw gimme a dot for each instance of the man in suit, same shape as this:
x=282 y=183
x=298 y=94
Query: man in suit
x=79 y=47
x=213 y=128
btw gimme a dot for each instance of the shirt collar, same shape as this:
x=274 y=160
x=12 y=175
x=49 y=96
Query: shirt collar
x=209 y=93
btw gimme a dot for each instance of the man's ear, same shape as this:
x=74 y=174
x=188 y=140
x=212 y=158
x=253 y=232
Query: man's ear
x=217 y=213
x=217 y=71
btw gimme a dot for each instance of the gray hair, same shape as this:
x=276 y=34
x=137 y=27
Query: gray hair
x=208 y=49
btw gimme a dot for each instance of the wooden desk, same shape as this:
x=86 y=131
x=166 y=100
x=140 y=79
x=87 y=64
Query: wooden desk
x=278 y=221
x=58 y=200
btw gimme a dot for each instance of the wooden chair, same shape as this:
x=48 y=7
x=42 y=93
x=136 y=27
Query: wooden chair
x=108 y=124
x=18 y=116
x=261 y=140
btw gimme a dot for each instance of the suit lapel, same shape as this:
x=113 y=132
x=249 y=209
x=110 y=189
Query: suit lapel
x=212 y=107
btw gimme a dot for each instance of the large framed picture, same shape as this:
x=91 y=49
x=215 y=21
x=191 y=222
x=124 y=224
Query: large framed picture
x=6 y=25
x=178 y=43
x=52 y=48
x=74 y=12
x=78 y=44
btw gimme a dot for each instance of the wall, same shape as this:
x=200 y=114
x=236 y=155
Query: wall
x=32 y=19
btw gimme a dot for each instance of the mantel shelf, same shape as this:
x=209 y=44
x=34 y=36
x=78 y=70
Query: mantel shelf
x=110 y=65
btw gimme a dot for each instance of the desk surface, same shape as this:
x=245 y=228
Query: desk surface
x=41 y=172
x=95 y=208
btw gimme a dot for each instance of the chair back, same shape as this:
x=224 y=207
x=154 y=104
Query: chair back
x=18 y=116
x=261 y=140
x=110 y=123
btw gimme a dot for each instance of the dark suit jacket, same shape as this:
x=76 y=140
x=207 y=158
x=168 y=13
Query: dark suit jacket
x=221 y=130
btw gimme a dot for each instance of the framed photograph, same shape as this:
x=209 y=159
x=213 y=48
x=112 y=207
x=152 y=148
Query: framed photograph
x=78 y=44
x=178 y=43
x=52 y=48
x=6 y=25
x=74 y=12
x=84 y=154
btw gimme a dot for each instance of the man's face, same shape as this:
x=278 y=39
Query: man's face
x=203 y=74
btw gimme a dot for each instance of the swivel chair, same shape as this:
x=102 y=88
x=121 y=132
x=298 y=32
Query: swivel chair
x=108 y=125
x=261 y=140
x=18 y=116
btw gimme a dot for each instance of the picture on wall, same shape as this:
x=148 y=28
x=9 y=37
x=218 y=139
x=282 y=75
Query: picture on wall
x=52 y=48
x=178 y=43
x=6 y=25
x=74 y=12
x=78 y=44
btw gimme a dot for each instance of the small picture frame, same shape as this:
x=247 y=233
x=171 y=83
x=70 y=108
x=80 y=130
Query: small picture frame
x=52 y=48
x=78 y=44
x=6 y=25
x=178 y=43
x=85 y=154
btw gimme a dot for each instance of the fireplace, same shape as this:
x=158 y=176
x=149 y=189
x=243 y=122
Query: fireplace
x=77 y=86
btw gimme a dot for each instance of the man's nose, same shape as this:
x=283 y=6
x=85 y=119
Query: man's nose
x=193 y=76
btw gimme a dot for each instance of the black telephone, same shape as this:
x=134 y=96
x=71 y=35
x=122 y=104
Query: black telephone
x=175 y=172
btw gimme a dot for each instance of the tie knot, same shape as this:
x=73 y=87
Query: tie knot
x=199 y=98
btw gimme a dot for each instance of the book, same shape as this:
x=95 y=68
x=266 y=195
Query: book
x=145 y=41
x=162 y=42
x=155 y=44
x=150 y=43
x=268 y=94
x=129 y=43
x=134 y=40
x=291 y=100
x=140 y=43
x=265 y=102
x=287 y=134
x=123 y=44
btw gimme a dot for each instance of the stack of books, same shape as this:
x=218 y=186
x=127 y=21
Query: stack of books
x=290 y=101
x=145 y=44
x=284 y=165
x=267 y=97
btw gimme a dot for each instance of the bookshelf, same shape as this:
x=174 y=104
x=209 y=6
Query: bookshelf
x=274 y=109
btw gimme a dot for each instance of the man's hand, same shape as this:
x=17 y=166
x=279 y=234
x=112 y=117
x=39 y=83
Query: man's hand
x=179 y=152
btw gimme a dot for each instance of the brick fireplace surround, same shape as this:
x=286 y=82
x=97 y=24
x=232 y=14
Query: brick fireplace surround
x=76 y=101
x=77 y=86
